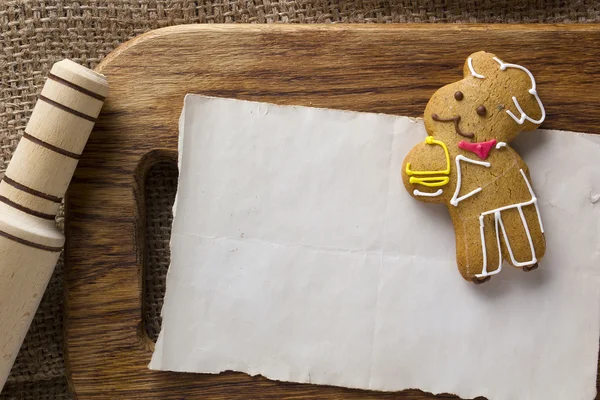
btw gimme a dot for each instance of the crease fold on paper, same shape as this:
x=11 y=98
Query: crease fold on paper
x=297 y=254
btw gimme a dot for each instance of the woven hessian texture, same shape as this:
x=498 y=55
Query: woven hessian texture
x=35 y=34
x=161 y=185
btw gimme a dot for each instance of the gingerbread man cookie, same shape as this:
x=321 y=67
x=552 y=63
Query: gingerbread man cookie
x=467 y=163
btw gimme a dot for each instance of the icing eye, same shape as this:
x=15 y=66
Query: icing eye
x=481 y=110
x=459 y=95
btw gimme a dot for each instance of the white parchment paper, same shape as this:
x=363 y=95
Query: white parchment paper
x=298 y=255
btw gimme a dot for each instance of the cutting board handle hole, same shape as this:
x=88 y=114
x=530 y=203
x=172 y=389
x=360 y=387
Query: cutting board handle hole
x=156 y=178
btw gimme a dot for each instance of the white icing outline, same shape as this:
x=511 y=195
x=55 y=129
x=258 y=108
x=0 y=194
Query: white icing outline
x=455 y=199
x=500 y=144
x=425 y=194
x=532 y=91
x=484 y=272
x=498 y=222
x=475 y=74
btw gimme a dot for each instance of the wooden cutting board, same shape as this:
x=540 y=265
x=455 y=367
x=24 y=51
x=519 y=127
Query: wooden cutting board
x=384 y=68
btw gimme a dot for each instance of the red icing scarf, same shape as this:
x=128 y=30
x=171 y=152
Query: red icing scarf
x=482 y=149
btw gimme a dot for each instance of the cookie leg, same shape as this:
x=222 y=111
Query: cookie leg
x=534 y=222
x=522 y=237
x=477 y=249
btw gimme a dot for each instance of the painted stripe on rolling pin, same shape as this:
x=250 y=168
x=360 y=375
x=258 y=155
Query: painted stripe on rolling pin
x=49 y=146
x=66 y=109
x=26 y=210
x=31 y=191
x=76 y=87
x=30 y=244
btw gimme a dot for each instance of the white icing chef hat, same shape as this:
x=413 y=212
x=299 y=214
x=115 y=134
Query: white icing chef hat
x=521 y=119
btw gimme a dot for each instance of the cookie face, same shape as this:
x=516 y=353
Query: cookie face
x=483 y=103
x=467 y=163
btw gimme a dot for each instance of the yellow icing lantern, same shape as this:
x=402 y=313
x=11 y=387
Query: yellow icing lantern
x=431 y=178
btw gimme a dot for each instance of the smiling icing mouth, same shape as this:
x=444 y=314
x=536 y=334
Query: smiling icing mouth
x=456 y=120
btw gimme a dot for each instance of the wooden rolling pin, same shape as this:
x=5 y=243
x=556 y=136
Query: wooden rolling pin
x=31 y=192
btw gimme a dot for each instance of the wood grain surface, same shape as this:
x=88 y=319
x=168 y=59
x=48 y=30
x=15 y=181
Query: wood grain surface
x=387 y=69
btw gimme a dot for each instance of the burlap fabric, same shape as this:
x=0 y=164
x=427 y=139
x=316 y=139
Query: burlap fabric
x=35 y=34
